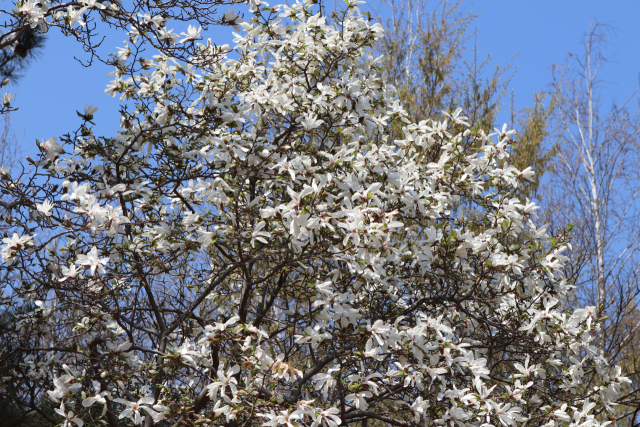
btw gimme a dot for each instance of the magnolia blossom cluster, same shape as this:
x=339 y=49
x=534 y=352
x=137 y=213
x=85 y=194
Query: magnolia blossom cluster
x=145 y=22
x=267 y=240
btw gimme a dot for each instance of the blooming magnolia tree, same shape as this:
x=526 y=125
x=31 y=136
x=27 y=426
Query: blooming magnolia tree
x=252 y=248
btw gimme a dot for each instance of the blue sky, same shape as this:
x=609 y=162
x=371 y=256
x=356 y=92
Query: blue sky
x=543 y=32
x=538 y=33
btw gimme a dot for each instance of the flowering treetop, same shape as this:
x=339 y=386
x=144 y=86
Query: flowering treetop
x=255 y=247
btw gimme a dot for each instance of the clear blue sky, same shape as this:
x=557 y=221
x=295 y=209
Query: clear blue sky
x=540 y=32
x=543 y=32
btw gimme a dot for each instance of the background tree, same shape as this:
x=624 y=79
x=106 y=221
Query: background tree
x=14 y=59
x=425 y=59
x=594 y=183
x=426 y=56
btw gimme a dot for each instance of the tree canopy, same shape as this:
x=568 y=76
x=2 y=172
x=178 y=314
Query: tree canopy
x=254 y=246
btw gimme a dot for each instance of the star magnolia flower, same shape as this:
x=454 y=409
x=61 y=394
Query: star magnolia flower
x=93 y=4
x=284 y=418
x=92 y=261
x=52 y=148
x=51 y=145
x=68 y=417
x=224 y=381
x=69 y=273
x=99 y=397
x=163 y=411
x=329 y=418
x=132 y=411
x=13 y=244
x=359 y=399
x=63 y=386
x=192 y=34
x=45 y=207
x=89 y=110
x=30 y=9
x=16 y=241
x=233 y=18
x=281 y=369
x=310 y=121
x=187 y=354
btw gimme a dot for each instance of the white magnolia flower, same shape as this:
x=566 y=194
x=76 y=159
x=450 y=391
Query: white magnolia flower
x=310 y=121
x=94 y=4
x=70 y=272
x=359 y=399
x=69 y=417
x=62 y=387
x=89 y=111
x=328 y=418
x=13 y=244
x=52 y=148
x=192 y=34
x=224 y=380
x=99 y=397
x=32 y=11
x=233 y=18
x=92 y=261
x=133 y=409
x=45 y=207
